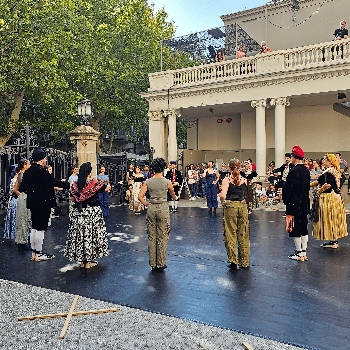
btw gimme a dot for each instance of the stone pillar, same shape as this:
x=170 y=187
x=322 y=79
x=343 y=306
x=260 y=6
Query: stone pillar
x=260 y=143
x=158 y=134
x=172 y=139
x=86 y=139
x=280 y=128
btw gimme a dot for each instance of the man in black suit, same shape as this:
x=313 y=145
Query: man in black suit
x=297 y=201
x=39 y=185
x=175 y=177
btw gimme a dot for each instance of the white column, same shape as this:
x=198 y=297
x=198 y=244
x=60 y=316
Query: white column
x=260 y=142
x=280 y=128
x=157 y=134
x=172 y=140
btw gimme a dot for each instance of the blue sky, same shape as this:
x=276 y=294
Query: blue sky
x=195 y=15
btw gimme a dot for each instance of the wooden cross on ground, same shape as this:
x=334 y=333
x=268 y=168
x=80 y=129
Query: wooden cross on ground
x=69 y=316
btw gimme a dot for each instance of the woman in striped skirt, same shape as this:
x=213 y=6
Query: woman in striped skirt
x=331 y=224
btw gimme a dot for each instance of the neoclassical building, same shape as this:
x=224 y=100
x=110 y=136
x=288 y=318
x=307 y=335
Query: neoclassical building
x=262 y=105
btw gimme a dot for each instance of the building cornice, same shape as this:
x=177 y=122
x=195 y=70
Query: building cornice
x=260 y=10
x=278 y=78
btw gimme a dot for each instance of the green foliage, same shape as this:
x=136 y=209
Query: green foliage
x=59 y=51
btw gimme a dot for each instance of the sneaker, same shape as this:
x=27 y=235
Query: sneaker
x=43 y=257
x=303 y=254
x=296 y=256
x=330 y=244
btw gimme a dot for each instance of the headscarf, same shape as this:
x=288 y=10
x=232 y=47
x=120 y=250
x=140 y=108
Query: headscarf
x=81 y=190
x=335 y=163
x=84 y=172
x=335 y=169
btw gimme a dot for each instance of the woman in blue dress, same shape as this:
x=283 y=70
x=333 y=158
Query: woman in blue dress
x=212 y=178
x=10 y=221
x=103 y=197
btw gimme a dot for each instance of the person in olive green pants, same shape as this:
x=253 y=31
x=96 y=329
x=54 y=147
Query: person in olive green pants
x=236 y=224
x=158 y=218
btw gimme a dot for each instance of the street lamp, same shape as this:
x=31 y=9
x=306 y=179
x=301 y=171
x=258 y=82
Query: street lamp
x=84 y=110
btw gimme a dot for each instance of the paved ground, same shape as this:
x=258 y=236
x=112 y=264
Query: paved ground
x=300 y=303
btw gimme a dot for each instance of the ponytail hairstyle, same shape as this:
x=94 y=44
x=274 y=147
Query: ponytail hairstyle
x=84 y=172
x=234 y=165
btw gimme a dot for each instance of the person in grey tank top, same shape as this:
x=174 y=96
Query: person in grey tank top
x=158 y=218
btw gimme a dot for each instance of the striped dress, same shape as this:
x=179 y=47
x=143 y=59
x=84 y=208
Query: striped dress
x=332 y=218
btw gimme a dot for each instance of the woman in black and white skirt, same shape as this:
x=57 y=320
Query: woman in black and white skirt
x=87 y=236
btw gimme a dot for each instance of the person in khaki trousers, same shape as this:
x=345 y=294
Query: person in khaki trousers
x=236 y=224
x=158 y=218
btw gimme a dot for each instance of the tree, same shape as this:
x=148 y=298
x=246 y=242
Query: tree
x=55 y=52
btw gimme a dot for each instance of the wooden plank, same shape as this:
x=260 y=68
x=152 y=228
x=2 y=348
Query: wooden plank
x=248 y=346
x=69 y=317
x=77 y=313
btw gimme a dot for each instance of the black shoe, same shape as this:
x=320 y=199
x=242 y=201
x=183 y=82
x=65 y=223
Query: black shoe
x=214 y=211
x=170 y=210
x=232 y=266
x=210 y=211
x=175 y=210
x=284 y=215
x=23 y=247
x=162 y=268
x=244 y=267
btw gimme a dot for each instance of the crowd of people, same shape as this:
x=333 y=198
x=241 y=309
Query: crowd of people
x=32 y=198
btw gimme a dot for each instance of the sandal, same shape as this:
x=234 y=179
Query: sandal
x=91 y=264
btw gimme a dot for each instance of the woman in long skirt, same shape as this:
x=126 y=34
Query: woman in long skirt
x=331 y=224
x=10 y=221
x=23 y=218
x=136 y=188
x=158 y=218
x=103 y=197
x=87 y=236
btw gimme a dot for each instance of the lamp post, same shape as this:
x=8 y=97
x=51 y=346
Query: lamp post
x=84 y=111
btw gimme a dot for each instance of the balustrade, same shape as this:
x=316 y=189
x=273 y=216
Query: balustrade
x=318 y=55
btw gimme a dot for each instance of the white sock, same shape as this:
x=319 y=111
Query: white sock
x=304 y=240
x=40 y=240
x=175 y=204
x=297 y=241
x=33 y=239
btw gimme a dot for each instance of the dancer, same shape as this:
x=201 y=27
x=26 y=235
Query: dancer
x=10 y=220
x=23 y=222
x=175 y=177
x=331 y=224
x=39 y=185
x=87 y=236
x=136 y=188
x=158 y=219
x=212 y=178
x=297 y=201
x=236 y=223
x=103 y=196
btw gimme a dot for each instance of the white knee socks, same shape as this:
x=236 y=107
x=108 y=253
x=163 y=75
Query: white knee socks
x=175 y=204
x=297 y=242
x=304 y=240
x=36 y=240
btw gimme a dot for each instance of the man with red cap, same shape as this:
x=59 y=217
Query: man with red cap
x=297 y=201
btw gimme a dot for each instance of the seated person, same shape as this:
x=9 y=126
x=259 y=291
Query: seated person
x=260 y=192
x=264 y=48
x=274 y=179
x=272 y=194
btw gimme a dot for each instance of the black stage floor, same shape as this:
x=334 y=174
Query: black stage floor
x=302 y=303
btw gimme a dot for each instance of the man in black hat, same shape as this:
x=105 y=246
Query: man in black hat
x=39 y=185
x=175 y=177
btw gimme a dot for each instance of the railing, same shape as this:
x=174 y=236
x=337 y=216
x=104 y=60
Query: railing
x=318 y=55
